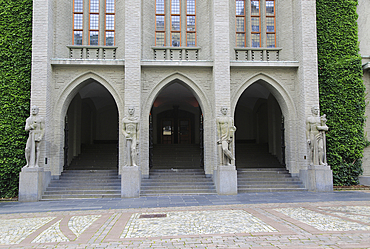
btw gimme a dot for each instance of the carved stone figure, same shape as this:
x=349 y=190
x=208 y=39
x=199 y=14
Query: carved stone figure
x=131 y=132
x=35 y=126
x=315 y=132
x=225 y=132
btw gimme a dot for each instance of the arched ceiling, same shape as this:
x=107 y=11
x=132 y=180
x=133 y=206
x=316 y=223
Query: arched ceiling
x=176 y=94
x=98 y=94
x=252 y=94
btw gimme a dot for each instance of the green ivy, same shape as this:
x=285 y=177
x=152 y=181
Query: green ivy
x=15 y=83
x=342 y=93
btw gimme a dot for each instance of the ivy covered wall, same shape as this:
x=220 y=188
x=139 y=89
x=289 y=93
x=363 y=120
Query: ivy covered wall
x=342 y=93
x=15 y=84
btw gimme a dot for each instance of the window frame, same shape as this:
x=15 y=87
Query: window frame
x=259 y=22
x=73 y=23
x=263 y=16
x=271 y=16
x=195 y=23
x=164 y=24
x=180 y=23
x=105 y=23
x=243 y=33
x=90 y=15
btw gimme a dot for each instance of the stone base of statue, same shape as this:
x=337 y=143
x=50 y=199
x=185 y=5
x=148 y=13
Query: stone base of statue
x=318 y=178
x=32 y=183
x=226 y=180
x=364 y=180
x=130 y=181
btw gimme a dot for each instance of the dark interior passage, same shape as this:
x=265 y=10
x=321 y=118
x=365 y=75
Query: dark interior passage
x=91 y=129
x=177 y=129
x=259 y=137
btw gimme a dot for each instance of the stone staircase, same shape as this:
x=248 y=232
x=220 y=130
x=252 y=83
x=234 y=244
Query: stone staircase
x=177 y=182
x=92 y=174
x=176 y=171
x=259 y=171
x=179 y=156
x=267 y=180
x=96 y=157
x=80 y=184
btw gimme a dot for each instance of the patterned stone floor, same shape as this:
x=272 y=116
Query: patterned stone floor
x=288 y=225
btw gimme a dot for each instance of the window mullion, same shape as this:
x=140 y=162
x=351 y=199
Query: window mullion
x=240 y=23
x=110 y=23
x=78 y=19
x=175 y=23
x=94 y=22
x=255 y=23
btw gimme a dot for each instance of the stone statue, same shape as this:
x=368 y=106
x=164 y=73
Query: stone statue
x=35 y=126
x=225 y=132
x=316 y=139
x=131 y=132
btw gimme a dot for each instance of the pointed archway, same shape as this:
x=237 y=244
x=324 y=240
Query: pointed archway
x=91 y=134
x=260 y=135
x=177 y=129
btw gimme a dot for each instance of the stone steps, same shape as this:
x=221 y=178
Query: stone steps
x=267 y=180
x=177 y=182
x=81 y=184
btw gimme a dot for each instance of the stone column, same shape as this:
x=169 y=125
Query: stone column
x=307 y=87
x=130 y=175
x=225 y=176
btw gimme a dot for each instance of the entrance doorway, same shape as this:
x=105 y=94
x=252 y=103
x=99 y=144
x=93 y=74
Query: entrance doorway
x=183 y=133
x=91 y=130
x=260 y=129
x=177 y=129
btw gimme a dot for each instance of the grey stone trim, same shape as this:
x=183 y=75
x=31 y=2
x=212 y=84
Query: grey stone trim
x=257 y=54
x=366 y=66
x=244 y=64
x=156 y=63
x=87 y=62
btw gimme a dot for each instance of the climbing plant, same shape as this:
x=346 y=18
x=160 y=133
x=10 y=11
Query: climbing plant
x=15 y=82
x=342 y=93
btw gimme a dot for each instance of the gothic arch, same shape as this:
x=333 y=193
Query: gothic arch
x=206 y=110
x=282 y=96
x=187 y=82
x=70 y=90
x=61 y=106
x=288 y=110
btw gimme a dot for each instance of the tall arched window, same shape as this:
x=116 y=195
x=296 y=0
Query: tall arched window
x=255 y=23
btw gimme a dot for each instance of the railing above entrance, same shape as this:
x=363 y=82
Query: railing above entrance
x=257 y=54
x=92 y=52
x=176 y=53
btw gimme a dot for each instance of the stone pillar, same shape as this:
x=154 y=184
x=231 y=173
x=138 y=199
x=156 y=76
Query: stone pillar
x=32 y=182
x=130 y=181
x=307 y=91
x=41 y=72
x=131 y=175
x=225 y=177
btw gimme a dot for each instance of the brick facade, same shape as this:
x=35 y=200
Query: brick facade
x=134 y=76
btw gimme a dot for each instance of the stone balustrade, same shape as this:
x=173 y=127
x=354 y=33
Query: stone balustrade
x=176 y=53
x=257 y=54
x=92 y=52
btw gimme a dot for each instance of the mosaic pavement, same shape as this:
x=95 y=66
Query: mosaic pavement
x=298 y=225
